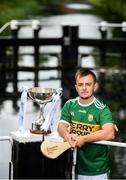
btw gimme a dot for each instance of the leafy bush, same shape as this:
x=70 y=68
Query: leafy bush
x=16 y=9
x=112 y=11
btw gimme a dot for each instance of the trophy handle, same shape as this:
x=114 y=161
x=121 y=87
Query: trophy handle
x=30 y=96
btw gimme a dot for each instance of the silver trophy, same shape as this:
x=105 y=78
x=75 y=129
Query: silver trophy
x=41 y=96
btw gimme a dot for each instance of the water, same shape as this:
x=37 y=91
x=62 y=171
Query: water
x=9 y=118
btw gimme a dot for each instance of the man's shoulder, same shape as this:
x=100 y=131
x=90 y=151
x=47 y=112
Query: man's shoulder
x=72 y=101
x=99 y=104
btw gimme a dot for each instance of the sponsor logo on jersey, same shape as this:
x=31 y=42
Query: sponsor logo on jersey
x=83 y=128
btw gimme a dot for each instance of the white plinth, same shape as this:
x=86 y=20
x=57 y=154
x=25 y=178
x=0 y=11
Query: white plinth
x=30 y=137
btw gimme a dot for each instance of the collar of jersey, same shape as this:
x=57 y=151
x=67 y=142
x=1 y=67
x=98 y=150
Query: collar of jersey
x=85 y=104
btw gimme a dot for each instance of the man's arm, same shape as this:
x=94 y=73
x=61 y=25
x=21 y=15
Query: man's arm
x=63 y=130
x=65 y=134
x=106 y=133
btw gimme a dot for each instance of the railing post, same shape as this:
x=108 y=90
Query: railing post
x=36 y=28
x=15 y=28
x=69 y=61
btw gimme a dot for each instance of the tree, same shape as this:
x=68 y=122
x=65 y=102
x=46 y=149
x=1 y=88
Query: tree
x=16 y=9
x=112 y=11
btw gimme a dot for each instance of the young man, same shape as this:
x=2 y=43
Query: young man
x=83 y=120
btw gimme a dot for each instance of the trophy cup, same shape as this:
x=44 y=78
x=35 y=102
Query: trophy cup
x=41 y=96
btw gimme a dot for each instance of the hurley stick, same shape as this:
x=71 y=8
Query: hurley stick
x=52 y=149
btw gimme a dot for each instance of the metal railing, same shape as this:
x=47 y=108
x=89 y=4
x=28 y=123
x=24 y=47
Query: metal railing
x=9 y=139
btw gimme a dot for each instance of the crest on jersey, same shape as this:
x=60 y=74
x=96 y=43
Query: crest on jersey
x=90 y=117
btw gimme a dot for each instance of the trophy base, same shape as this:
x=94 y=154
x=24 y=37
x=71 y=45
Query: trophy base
x=33 y=131
x=36 y=129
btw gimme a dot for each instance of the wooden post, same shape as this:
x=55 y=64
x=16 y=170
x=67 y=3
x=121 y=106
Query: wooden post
x=69 y=60
x=36 y=28
x=15 y=29
x=2 y=72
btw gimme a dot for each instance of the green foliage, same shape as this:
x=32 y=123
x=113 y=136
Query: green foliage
x=110 y=10
x=16 y=9
x=114 y=87
x=113 y=11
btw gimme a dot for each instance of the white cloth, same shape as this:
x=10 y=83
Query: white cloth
x=96 y=177
x=51 y=116
x=22 y=111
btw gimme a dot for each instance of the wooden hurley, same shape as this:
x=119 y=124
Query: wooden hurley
x=52 y=149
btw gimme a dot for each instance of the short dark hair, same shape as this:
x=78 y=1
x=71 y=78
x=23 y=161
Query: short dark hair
x=84 y=72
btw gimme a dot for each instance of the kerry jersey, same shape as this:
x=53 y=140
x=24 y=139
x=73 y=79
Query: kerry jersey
x=92 y=159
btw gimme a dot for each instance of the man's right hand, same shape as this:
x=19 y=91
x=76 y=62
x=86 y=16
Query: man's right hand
x=71 y=138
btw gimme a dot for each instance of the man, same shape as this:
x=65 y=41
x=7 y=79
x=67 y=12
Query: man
x=86 y=119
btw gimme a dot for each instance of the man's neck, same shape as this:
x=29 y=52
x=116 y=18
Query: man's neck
x=86 y=101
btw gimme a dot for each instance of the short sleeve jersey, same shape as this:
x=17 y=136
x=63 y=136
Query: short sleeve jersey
x=92 y=159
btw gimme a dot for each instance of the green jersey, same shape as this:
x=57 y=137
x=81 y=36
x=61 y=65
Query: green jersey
x=92 y=159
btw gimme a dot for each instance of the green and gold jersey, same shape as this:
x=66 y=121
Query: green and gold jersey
x=92 y=158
